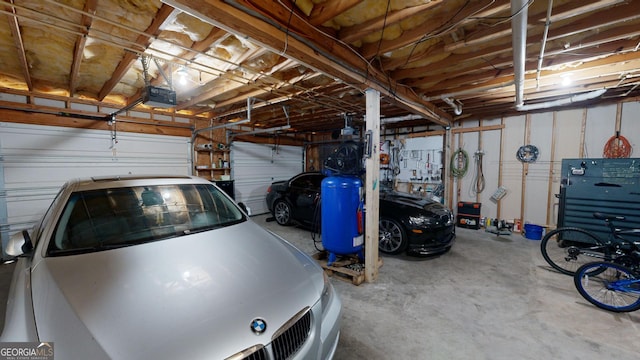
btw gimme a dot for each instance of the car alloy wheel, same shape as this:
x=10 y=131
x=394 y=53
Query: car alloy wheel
x=392 y=239
x=282 y=213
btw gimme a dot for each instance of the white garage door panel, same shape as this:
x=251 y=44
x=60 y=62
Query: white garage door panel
x=36 y=160
x=256 y=166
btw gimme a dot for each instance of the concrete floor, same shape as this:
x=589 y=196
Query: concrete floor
x=490 y=297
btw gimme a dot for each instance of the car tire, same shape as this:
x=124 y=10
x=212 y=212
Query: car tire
x=282 y=212
x=392 y=238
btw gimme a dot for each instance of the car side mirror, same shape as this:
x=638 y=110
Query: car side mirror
x=244 y=208
x=19 y=244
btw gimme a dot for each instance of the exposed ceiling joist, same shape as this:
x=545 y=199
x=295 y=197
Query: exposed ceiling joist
x=343 y=63
x=316 y=57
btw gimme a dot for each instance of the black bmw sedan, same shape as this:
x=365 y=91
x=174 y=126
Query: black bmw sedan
x=411 y=224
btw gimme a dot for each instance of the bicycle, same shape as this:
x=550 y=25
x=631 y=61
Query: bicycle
x=609 y=286
x=568 y=248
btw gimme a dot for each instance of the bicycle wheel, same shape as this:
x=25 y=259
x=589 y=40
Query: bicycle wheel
x=614 y=288
x=568 y=248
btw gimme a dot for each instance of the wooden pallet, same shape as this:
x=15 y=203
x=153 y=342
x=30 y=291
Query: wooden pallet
x=342 y=268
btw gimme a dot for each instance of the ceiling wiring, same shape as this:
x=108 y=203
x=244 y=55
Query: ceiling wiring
x=112 y=40
x=142 y=51
x=504 y=19
x=315 y=59
x=444 y=30
x=368 y=62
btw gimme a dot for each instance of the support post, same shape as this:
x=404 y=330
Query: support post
x=372 y=186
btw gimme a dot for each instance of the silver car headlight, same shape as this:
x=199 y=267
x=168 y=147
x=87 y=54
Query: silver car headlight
x=420 y=221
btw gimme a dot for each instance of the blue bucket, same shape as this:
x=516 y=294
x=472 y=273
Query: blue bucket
x=532 y=232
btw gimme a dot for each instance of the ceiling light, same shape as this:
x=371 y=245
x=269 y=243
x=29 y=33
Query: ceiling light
x=566 y=79
x=183 y=75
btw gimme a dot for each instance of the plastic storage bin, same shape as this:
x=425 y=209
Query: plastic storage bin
x=533 y=232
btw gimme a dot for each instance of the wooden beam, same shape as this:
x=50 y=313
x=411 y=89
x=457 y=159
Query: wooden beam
x=439 y=26
x=329 y=9
x=326 y=56
x=453 y=58
x=372 y=187
x=19 y=44
x=358 y=31
x=462 y=58
x=596 y=20
x=569 y=10
x=129 y=58
x=125 y=124
x=200 y=46
x=78 y=51
x=614 y=64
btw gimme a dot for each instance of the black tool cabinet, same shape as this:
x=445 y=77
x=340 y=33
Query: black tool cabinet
x=591 y=185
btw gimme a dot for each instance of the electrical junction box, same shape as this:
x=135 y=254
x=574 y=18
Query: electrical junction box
x=158 y=97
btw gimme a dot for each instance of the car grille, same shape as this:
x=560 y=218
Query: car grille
x=287 y=340
x=258 y=355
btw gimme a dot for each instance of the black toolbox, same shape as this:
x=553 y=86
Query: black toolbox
x=468 y=215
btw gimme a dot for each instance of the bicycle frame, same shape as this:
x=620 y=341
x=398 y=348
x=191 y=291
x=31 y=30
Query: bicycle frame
x=624 y=286
x=565 y=248
x=616 y=240
x=573 y=252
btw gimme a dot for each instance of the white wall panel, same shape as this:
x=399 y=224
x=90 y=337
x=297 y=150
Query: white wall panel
x=513 y=137
x=255 y=166
x=537 y=173
x=568 y=135
x=629 y=126
x=469 y=143
x=491 y=171
x=36 y=160
x=600 y=127
x=568 y=141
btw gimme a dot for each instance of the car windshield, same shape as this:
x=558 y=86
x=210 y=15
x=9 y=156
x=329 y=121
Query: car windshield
x=108 y=218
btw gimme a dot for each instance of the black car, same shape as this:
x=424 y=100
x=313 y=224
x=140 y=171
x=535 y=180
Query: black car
x=408 y=223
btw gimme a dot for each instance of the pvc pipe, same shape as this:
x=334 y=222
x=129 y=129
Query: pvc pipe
x=401 y=118
x=519 y=11
x=457 y=108
x=561 y=102
x=547 y=24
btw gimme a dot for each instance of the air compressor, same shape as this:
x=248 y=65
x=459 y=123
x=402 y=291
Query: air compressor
x=342 y=216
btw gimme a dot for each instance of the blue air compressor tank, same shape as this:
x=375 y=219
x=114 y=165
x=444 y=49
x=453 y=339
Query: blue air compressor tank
x=341 y=216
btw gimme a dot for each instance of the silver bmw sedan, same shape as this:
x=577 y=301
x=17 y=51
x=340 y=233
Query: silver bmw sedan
x=164 y=268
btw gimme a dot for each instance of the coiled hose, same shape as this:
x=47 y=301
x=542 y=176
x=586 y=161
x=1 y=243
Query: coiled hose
x=459 y=163
x=617 y=147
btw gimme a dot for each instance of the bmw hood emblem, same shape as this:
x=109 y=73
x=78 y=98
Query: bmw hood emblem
x=258 y=326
